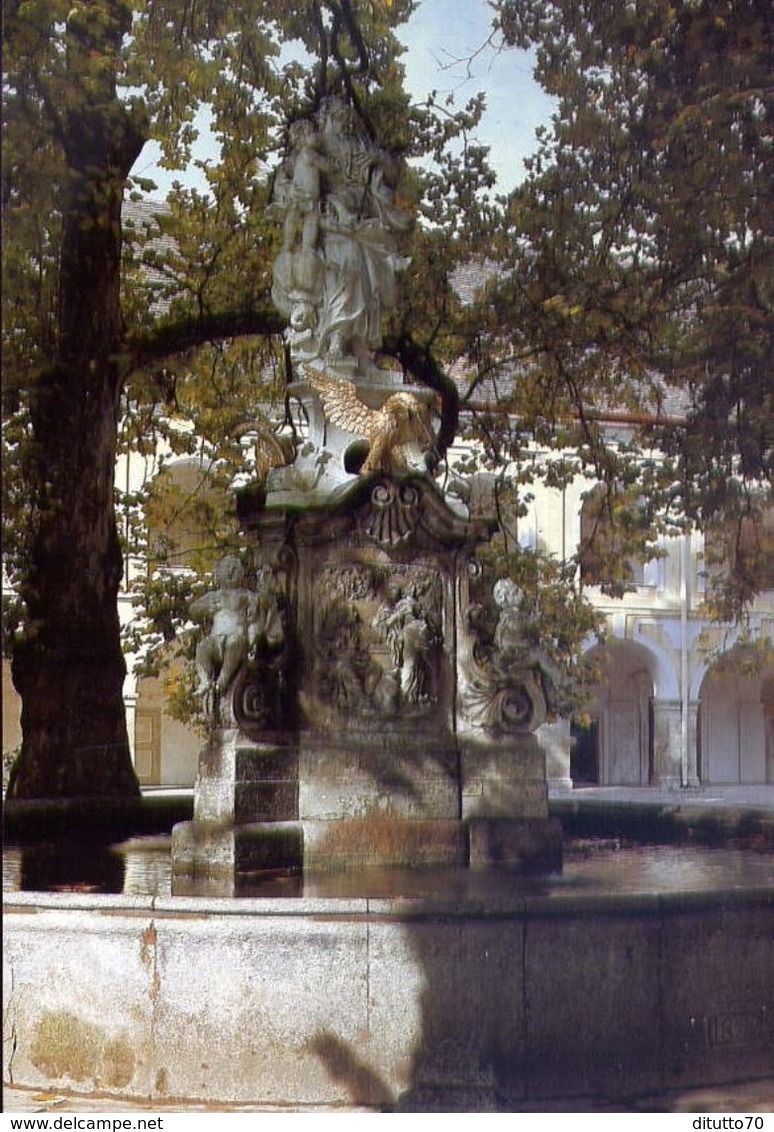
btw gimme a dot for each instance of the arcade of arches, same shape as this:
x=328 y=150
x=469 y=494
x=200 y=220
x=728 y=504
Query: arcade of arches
x=631 y=737
x=633 y=733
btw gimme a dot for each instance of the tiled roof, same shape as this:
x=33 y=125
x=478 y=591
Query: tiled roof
x=468 y=280
x=140 y=216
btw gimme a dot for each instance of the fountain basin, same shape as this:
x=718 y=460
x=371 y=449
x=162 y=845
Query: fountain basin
x=476 y=1000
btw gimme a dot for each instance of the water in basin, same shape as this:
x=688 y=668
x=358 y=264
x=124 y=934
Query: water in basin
x=142 y=867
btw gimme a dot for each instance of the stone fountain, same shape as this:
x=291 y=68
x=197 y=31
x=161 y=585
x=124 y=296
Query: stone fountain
x=373 y=706
x=359 y=713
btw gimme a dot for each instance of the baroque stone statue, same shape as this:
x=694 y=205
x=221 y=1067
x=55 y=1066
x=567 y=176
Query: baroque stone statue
x=511 y=686
x=335 y=274
x=243 y=622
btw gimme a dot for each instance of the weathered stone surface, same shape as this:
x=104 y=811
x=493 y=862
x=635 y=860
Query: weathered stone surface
x=210 y=848
x=244 y=781
x=503 y=778
x=593 y=1005
x=79 y=990
x=471 y=993
x=437 y=1004
x=260 y=982
x=721 y=1021
x=400 y=780
x=383 y=842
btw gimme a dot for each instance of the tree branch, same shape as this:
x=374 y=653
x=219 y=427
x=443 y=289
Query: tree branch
x=177 y=337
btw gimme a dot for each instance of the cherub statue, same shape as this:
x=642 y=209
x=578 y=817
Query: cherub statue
x=303 y=188
x=509 y=637
x=403 y=419
x=513 y=649
x=232 y=609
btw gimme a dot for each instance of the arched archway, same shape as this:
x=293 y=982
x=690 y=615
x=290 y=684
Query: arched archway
x=736 y=723
x=619 y=740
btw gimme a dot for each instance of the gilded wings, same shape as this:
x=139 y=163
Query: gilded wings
x=401 y=420
x=341 y=403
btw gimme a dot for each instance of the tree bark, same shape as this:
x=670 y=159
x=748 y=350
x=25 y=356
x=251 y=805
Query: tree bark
x=69 y=668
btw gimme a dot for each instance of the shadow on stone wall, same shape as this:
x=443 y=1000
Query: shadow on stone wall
x=562 y=1009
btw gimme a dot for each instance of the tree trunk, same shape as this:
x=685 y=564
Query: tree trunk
x=69 y=668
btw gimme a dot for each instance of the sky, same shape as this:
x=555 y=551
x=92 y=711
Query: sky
x=446 y=52
x=444 y=40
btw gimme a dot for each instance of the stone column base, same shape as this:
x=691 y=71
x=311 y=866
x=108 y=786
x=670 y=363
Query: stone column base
x=337 y=846
x=202 y=849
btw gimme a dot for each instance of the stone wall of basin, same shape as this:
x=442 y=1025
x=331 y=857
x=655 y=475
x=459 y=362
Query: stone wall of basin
x=408 y=1004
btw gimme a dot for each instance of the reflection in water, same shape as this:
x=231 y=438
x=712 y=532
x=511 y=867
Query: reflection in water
x=142 y=867
x=65 y=867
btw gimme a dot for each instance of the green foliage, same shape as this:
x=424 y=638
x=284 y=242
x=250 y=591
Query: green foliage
x=194 y=345
x=633 y=265
x=637 y=285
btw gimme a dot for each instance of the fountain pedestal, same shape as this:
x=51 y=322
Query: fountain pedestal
x=372 y=732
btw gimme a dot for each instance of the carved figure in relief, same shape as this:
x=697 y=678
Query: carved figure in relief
x=413 y=637
x=243 y=621
x=403 y=419
x=512 y=686
x=347 y=675
x=265 y=627
x=509 y=637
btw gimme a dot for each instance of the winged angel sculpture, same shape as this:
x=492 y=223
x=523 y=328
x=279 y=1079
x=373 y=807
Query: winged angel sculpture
x=403 y=419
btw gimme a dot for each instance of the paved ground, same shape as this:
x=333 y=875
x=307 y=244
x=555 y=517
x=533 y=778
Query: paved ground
x=710 y=797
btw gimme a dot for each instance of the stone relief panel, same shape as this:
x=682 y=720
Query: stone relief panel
x=412 y=629
x=377 y=640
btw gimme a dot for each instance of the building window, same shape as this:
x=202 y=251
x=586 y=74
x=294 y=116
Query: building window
x=743 y=549
x=600 y=554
